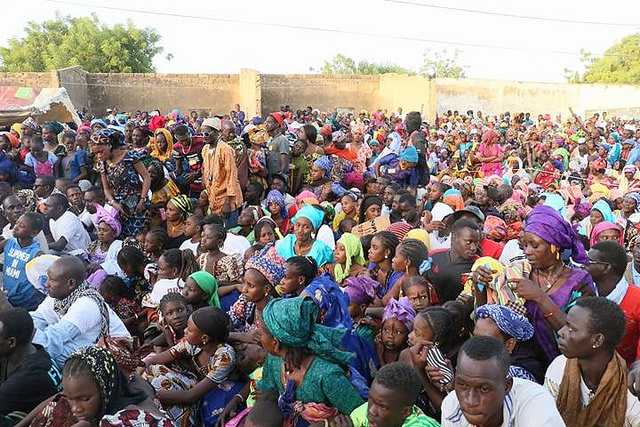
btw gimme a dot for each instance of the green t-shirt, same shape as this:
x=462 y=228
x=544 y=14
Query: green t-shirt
x=416 y=419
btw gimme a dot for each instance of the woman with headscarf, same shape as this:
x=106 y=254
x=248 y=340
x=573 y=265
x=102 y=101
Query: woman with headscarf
x=349 y=257
x=303 y=240
x=305 y=365
x=323 y=180
x=201 y=290
x=50 y=132
x=103 y=252
x=606 y=231
x=113 y=400
x=120 y=172
x=278 y=210
x=263 y=272
x=162 y=145
x=552 y=286
x=177 y=211
x=490 y=153
x=601 y=211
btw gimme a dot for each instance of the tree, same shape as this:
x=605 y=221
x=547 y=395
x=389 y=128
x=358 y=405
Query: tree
x=619 y=64
x=97 y=48
x=441 y=64
x=341 y=64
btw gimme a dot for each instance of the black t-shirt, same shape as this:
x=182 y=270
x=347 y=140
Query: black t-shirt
x=448 y=276
x=35 y=380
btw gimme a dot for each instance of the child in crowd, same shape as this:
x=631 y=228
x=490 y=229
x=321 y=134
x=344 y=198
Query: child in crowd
x=132 y=262
x=174 y=266
x=115 y=293
x=349 y=258
x=174 y=312
x=397 y=323
x=419 y=292
x=18 y=250
x=193 y=232
x=201 y=290
x=300 y=271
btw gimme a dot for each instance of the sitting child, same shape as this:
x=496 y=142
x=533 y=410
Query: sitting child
x=193 y=232
x=174 y=312
x=115 y=293
x=397 y=323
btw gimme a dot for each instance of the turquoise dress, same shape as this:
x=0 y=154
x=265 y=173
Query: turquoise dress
x=322 y=253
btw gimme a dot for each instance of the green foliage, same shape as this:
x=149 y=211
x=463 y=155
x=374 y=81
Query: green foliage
x=441 y=64
x=97 y=48
x=619 y=64
x=341 y=64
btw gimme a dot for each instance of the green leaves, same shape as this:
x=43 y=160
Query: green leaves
x=97 y=48
x=619 y=64
x=341 y=64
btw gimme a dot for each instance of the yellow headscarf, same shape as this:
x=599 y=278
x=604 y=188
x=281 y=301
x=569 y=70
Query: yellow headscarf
x=17 y=128
x=155 y=148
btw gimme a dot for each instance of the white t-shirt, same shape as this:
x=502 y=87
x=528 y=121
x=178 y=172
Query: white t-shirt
x=526 y=405
x=160 y=289
x=70 y=227
x=188 y=244
x=325 y=235
x=7 y=233
x=88 y=219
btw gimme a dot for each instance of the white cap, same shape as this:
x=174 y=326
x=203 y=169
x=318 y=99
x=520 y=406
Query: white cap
x=213 y=123
x=630 y=127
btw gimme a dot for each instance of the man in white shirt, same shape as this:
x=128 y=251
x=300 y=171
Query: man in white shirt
x=69 y=235
x=73 y=316
x=485 y=395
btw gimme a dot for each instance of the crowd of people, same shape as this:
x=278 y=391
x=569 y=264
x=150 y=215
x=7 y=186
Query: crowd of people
x=320 y=268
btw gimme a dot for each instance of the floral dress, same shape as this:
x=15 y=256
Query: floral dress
x=125 y=186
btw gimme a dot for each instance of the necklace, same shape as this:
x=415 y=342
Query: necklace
x=549 y=284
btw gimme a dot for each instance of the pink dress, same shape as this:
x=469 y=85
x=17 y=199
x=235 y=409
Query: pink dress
x=493 y=150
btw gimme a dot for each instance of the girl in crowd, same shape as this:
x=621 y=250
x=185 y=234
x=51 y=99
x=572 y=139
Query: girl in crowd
x=370 y=208
x=201 y=290
x=209 y=382
x=178 y=209
x=175 y=312
x=174 y=266
x=408 y=259
x=349 y=204
x=131 y=262
x=383 y=247
x=349 y=258
x=263 y=272
x=419 y=292
x=397 y=323
x=96 y=392
x=305 y=365
x=300 y=271
x=278 y=210
x=103 y=252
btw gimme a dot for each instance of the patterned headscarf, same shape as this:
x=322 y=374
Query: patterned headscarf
x=333 y=302
x=271 y=265
x=401 y=310
x=103 y=368
x=259 y=135
x=183 y=203
x=276 y=197
x=509 y=322
x=108 y=215
x=292 y=321
x=61 y=306
x=325 y=164
x=28 y=198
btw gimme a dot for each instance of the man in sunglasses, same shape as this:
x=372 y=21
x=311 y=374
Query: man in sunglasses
x=219 y=170
x=607 y=265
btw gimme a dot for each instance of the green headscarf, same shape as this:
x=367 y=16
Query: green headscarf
x=292 y=321
x=209 y=286
x=353 y=247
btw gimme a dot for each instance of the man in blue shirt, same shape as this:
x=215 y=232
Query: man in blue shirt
x=19 y=250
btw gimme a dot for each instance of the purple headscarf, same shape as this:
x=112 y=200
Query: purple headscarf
x=361 y=290
x=401 y=310
x=276 y=197
x=109 y=216
x=546 y=223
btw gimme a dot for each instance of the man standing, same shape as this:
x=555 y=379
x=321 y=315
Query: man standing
x=278 y=161
x=485 y=395
x=219 y=170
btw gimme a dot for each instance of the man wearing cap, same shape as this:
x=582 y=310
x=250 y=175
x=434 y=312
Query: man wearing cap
x=219 y=171
x=278 y=160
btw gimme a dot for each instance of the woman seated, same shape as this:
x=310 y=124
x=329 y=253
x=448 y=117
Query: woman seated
x=303 y=240
x=304 y=364
x=103 y=252
x=207 y=382
x=349 y=258
x=95 y=392
x=589 y=379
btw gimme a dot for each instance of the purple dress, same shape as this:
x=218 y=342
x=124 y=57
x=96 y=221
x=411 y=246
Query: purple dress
x=565 y=297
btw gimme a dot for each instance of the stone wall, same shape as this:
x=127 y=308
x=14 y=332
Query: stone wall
x=262 y=93
x=322 y=92
x=131 y=92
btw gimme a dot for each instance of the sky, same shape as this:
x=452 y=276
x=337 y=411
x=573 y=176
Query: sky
x=285 y=37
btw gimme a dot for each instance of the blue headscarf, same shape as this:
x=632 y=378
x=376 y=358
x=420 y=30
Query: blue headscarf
x=333 y=302
x=508 y=321
x=555 y=201
x=325 y=164
x=276 y=197
x=409 y=154
x=314 y=215
x=603 y=207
